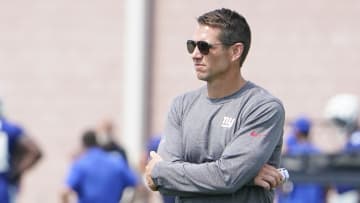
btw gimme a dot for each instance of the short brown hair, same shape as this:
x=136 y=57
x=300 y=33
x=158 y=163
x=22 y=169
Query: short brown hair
x=89 y=138
x=234 y=28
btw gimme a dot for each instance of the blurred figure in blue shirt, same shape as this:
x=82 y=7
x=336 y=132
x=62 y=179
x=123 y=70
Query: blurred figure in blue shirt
x=18 y=153
x=97 y=176
x=297 y=144
x=107 y=139
x=343 y=111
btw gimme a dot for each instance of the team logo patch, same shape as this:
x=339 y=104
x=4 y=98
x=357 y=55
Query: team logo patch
x=227 y=122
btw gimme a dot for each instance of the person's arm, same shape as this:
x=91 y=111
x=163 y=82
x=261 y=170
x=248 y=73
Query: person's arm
x=129 y=175
x=268 y=177
x=72 y=183
x=65 y=195
x=241 y=160
x=30 y=155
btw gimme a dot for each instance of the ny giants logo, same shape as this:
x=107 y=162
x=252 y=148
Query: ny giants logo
x=227 y=122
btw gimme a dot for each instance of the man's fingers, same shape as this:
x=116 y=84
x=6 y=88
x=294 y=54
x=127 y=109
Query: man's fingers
x=153 y=154
x=270 y=180
x=154 y=158
x=276 y=176
x=148 y=179
x=264 y=184
x=150 y=183
x=261 y=181
x=272 y=171
x=269 y=177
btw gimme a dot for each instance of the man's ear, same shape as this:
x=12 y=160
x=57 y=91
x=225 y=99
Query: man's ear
x=237 y=49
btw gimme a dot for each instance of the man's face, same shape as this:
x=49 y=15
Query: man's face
x=217 y=62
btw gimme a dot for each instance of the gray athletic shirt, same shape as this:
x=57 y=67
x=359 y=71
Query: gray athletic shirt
x=213 y=148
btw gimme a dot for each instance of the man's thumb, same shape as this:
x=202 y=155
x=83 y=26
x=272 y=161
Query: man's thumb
x=152 y=154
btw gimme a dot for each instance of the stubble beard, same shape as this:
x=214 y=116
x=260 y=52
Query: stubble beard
x=202 y=76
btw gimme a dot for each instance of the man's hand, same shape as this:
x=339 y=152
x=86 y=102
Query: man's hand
x=268 y=177
x=154 y=158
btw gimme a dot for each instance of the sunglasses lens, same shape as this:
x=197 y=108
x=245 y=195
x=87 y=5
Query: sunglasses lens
x=203 y=47
x=190 y=44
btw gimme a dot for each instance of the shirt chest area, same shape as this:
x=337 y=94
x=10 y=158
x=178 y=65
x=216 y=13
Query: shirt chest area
x=207 y=128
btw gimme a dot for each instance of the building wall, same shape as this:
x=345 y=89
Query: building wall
x=61 y=65
x=60 y=72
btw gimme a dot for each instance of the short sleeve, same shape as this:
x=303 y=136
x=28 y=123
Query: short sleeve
x=74 y=177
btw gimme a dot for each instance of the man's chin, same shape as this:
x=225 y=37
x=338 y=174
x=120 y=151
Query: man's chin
x=202 y=77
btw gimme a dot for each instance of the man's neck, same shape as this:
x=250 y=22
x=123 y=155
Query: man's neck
x=225 y=87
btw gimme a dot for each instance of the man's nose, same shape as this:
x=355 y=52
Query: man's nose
x=196 y=53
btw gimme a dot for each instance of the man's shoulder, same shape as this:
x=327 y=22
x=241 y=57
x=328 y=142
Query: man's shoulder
x=255 y=99
x=189 y=96
x=192 y=93
x=258 y=94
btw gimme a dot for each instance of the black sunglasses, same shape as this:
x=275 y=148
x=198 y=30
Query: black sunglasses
x=203 y=46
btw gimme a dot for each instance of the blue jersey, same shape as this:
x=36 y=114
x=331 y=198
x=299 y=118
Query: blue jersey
x=99 y=177
x=9 y=135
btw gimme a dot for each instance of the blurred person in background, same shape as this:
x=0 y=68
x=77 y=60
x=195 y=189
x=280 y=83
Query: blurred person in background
x=18 y=153
x=220 y=136
x=343 y=111
x=299 y=143
x=96 y=176
x=106 y=131
x=107 y=139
